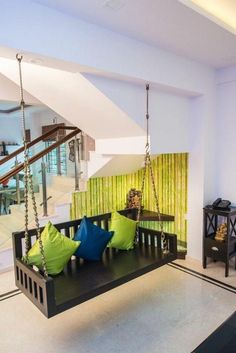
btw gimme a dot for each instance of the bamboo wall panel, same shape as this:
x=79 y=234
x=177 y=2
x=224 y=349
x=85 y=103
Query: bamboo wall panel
x=109 y=193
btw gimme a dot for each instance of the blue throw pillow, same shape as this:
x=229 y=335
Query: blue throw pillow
x=93 y=240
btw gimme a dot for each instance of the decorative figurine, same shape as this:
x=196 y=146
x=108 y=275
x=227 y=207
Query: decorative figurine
x=221 y=232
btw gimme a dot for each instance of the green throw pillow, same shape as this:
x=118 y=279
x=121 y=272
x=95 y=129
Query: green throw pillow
x=124 y=232
x=58 y=250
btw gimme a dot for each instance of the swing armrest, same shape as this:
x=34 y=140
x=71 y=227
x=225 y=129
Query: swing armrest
x=172 y=242
x=146 y=236
x=36 y=275
x=36 y=287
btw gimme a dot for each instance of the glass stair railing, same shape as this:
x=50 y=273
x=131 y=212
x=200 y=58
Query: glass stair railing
x=47 y=161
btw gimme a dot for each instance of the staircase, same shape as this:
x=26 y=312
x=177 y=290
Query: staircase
x=60 y=188
x=58 y=209
x=75 y=98
x=115 y=133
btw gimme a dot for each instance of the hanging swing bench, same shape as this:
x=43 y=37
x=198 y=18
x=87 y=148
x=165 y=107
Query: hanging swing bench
x=82 y=280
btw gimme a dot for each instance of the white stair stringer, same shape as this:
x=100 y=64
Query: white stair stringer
x=71 y=95
x=132 y=145
x=64 y=184
x=96 y=162
x=120 y=165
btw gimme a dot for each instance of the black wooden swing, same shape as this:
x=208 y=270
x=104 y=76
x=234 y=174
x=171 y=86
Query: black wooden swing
x=80 y=280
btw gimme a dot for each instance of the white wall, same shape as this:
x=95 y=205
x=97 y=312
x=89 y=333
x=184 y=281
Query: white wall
x=176 y=122
x=196 y=178
x=72 y=96
x=31 y=27
x=11 y=124
x=10 y=131
x=169 y=113
x=9 y=91
x=35 y=122
x=43 y=117
x=226 y=134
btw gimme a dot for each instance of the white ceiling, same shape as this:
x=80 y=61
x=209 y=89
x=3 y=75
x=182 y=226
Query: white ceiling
x=223 y=12
x=169 y=24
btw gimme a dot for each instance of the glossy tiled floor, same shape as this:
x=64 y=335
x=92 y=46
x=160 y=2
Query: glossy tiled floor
x=223 y=340
x=214 y=269
x=165 y=311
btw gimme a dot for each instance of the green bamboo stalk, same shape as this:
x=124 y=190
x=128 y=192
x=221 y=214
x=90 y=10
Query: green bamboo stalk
x=106 y=196
x=114 y=193
x=97 y=196
x=110 y=193
x=171 y=180
x=91 y=197
x=118 y=196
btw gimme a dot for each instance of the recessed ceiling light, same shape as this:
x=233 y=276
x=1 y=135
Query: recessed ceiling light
x=114 y=4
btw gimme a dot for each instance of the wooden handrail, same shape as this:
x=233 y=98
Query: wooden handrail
x=39 y=155
x=36 y=140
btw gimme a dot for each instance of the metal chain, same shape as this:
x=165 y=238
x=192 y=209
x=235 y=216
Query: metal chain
x=147 y=117
x=141 y=196
x=27 y=240
x=147 y=148
x=28 y=181
x=148 y=165
x=41 y=248
x=163 y=236
x=142 y=186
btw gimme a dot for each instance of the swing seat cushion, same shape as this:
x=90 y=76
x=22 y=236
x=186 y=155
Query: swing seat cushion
x=58 y=250
x=124 y=232
x=93 y=240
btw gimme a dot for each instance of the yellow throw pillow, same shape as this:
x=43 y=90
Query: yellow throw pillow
x=58 y=250
x=124 y=232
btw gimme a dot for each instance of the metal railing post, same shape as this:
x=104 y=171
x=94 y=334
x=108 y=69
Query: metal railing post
x=17 y=184
x=44 y=189
x=58 y=153
x=37 y=156
x=77 y=163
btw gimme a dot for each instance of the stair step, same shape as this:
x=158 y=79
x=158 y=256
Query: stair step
x=61 y=191
x=67 y=184
x=10 y=222
x=4 y=235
